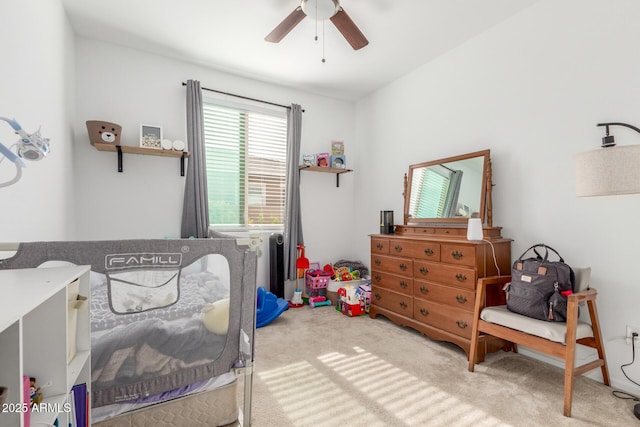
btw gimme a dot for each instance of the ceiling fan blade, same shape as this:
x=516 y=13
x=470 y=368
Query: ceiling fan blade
x=286 y=26
x=349 y=29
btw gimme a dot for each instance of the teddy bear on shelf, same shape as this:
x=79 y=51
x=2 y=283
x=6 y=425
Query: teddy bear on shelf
x=103 y=132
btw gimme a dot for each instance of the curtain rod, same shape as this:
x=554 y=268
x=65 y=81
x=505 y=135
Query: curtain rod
x=288 y=107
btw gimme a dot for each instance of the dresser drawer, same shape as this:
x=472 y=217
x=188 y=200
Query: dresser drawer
x=392 y=282
x=394 y=301
x=458 y=254
x=454 y=320
x=414 y=249
x=447 y=274
x=379 y=246
x=401 y=266
x=447 y=295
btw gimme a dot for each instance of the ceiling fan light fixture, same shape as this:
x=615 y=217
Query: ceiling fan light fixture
x=320 y=9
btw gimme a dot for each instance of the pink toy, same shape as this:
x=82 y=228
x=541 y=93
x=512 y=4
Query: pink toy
x=316 y=280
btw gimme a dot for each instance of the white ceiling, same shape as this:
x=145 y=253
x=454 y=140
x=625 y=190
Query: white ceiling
x=228 y=35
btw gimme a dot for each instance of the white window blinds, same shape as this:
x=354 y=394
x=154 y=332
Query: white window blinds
x=430 y=199
x=246 y=174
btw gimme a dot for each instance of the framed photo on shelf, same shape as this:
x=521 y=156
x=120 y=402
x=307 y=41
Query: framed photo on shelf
x=151 y=136
x=322 y=160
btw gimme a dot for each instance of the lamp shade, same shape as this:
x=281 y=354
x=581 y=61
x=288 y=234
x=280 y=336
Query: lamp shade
x=608 y=171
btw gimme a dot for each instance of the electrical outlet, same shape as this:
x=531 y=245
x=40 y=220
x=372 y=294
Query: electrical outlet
x=630 y=331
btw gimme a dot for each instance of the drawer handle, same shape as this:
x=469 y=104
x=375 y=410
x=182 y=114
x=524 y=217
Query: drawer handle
x=403 y=267
x=424 y=289
x=379 y=246
x=398 y=248
x=403 y=305
x=428 y=252
x=403 y=284
x=461 y=324
x=424 y=270
x=377 y=278
x=457 y=255
x=461 y=299
x=377 y=296
x=461 y=277
x=424 y=311
x=377 y=261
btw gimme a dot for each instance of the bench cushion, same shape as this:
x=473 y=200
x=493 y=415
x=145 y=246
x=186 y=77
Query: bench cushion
x=553 y=331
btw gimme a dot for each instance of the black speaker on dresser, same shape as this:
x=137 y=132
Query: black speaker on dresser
x=276 y=264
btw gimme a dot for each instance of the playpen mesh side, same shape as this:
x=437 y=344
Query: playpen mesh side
x=164 y=261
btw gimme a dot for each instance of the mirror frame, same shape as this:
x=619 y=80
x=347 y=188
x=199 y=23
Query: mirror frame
x=485 y=191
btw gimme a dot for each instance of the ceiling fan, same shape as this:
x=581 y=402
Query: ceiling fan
x=321 y=10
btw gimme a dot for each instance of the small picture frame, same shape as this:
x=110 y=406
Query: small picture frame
x=338 y=161
x=151 y=136
x=322 y=160
x=337 y=147
x=309 y=159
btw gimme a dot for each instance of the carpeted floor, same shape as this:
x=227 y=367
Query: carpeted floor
x=317 y=367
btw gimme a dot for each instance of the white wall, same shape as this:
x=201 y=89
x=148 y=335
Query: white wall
x=130 y=87
x=532 y=90
x=36 y=87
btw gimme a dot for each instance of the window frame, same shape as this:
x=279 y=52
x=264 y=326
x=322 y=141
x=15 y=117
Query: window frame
x=258 y=108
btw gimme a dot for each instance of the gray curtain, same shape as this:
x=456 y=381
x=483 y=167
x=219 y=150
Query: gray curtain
x=293 y=221
x=195 y=209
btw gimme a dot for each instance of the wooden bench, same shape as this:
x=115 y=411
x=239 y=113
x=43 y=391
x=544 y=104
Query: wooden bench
x=554 y=338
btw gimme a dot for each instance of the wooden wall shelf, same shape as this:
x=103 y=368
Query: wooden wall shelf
x=337 y=171
x=141 y=150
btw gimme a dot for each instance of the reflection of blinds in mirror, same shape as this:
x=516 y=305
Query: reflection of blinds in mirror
x=430 y=199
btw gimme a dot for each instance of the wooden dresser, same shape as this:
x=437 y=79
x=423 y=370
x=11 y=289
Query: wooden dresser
x=425 y=278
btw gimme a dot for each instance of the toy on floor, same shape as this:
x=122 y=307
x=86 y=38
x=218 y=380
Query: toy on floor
x=302 y=265
x=318 y=301
x=316 y=280
x=329 y=269
x=354 y=300
x=268 y=307
x=296 y=301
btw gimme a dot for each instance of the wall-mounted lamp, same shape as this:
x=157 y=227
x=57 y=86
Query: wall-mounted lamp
x=610 y=170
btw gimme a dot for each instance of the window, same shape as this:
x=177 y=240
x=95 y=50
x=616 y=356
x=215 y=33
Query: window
x=246 y=165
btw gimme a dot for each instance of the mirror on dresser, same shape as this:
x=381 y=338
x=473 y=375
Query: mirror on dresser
x=449 y=191
x=424 y=275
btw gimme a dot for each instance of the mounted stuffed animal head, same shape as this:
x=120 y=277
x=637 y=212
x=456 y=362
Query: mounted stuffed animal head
x=216 y=316
x=104 y=132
